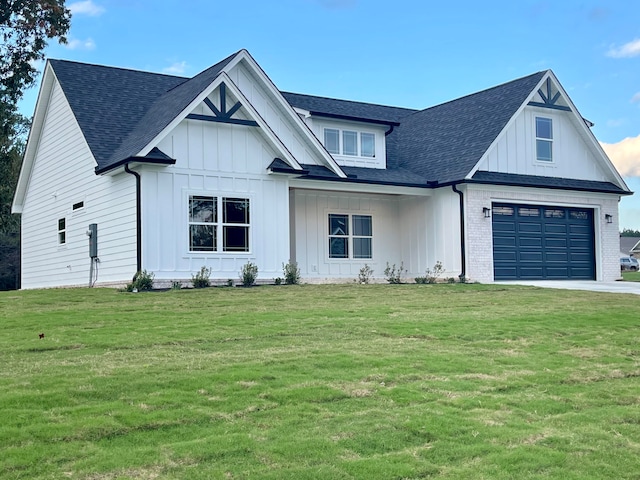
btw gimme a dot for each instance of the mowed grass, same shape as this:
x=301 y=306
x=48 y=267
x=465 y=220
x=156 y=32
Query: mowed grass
x=320 y=382
x=631 y=276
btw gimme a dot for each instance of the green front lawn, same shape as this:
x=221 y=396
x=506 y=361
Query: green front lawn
x=315 y=382
x=631 y=276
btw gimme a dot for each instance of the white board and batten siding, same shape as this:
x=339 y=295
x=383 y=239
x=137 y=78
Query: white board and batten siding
x=275 y=115
x=63 y=175
x=218 y=160
x=515 y=151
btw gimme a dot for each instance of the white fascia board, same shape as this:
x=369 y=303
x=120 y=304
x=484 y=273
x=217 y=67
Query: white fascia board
x=224 y=78
x=33 y=140
x=245 y=56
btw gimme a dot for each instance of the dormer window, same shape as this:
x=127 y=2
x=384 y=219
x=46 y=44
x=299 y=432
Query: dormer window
x=350 y=143
x=544 y=139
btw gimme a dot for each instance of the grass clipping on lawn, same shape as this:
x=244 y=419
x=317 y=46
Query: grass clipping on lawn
x=332 y=381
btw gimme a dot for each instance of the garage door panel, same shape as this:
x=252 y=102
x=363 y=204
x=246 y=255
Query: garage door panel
x=533 y=242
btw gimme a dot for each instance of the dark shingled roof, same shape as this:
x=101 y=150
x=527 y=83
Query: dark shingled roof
x=347 y=109
x=445 y=142
x=497 y=178
x=120 y=111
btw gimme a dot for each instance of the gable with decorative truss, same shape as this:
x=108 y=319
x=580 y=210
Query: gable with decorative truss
x=550 y=96
x=220 y=112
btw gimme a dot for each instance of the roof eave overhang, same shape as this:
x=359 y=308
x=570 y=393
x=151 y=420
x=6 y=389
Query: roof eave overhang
x=507 y=183
x=353 y=119
x=128 y=161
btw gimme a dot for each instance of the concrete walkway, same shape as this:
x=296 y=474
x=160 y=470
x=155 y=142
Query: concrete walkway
x=612 y=287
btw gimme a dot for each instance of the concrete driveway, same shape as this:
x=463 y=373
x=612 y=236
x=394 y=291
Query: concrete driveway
x=612 y=287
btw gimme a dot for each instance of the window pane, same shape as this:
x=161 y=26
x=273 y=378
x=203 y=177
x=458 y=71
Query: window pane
x=235 y=210
x=338 y=247
x=202 y=238
x=367 y=145
x=61 y=224
x=362 y=225
x=236 y=239
x=202 y=209
x=62 y=237
x=544 y=150
x=544 y=128
x=349 y=143
x=338 y=224
x=332 y=140
x=361 y=248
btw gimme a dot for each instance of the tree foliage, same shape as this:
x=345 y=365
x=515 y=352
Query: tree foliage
x=627 y=232
x=25 y=27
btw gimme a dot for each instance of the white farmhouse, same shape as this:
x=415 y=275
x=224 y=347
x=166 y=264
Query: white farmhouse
x=174 y=173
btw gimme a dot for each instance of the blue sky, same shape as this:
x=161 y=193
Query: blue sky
x=404 y=53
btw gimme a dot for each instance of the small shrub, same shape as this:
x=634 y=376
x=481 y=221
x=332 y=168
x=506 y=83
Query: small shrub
x=451 y=280
x=201 y=279
x=392 y=275
x=142 y=282
x=432 y=275
x=249 y=274
x=176 y=285
x=291 y=273
x=278 y=281
x=364 y=277
x=422 y=280
x=230 y=282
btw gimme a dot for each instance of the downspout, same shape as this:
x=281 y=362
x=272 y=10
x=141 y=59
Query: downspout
x=138 y=219
x=463 y=255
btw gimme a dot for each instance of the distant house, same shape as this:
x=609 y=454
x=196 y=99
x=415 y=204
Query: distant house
x=630 y=246
x=223 y=168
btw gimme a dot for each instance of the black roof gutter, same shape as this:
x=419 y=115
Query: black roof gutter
x=138 y=218
x=463 y=253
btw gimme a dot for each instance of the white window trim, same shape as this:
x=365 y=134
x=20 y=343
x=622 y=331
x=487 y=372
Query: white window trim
x=350 y=258
x=536 y=138
x=358 y=132
x=219 y=241
x=61 y=231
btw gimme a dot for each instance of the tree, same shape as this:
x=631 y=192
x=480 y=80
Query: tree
x=627 y=232
x=25 y=28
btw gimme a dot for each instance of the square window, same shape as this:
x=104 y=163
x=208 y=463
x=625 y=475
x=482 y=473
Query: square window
x=236 y=239
x=338 y=247
x=350 y=143
x=235 y=210
x=202 y=238
x=362 y=225
x=338 y=224
x=202 y=209
x=367 y=145
x=332 y=140
x=362 y=248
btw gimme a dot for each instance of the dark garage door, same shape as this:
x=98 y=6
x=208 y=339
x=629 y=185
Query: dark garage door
x=536 y=242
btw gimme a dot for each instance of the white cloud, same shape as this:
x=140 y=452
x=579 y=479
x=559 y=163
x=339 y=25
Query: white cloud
x=178 y=68
x=76 y=44
x=635 y=98
x=631 y=49
x=86 y=7
x=625 y=155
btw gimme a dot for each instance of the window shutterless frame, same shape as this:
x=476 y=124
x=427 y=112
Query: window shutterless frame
x=350 y=236
x=544 y=139
x=218 y=224
x=62 y=231
x=350 y=143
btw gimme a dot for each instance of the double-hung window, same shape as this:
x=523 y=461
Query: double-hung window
x=350 y=143
x=62 y=231
x=218 y=224
x=350 y=236
x=544 y=139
